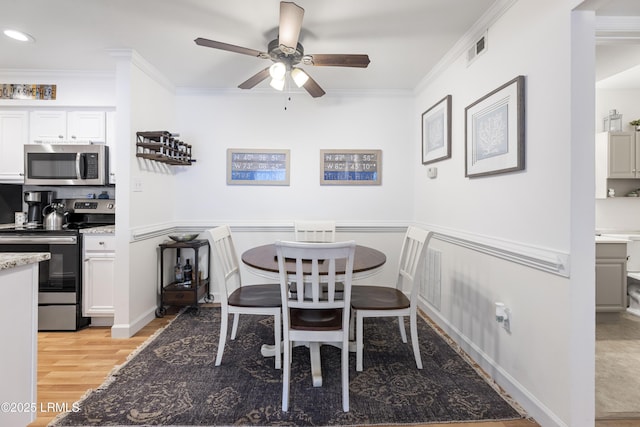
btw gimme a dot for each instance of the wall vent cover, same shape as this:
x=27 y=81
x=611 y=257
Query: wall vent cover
x=478 y=48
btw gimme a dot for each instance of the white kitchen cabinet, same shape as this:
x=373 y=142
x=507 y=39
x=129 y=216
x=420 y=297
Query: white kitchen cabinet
x=67 y=126
x=14 y=131
x=98 y=278
x=611 y=276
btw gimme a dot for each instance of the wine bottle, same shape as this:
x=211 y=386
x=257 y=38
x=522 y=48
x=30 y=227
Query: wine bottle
x=187 y=273
x=178 y=272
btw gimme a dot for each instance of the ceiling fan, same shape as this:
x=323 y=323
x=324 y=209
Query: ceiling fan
x=286 y=54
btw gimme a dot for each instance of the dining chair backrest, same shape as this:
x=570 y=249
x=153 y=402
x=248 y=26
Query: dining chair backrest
x=315 y=231
x=310 y=292
x=411 y=257
x=225 y=267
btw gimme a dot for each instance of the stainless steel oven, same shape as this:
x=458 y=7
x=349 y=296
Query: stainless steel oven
x=66 y=164
x=60 y=278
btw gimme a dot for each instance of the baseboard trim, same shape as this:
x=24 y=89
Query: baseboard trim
x=127 y=330
x=534 y=408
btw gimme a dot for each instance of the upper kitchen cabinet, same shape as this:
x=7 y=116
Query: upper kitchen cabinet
x=67 y=126
x=617 y=160
x=14 y=133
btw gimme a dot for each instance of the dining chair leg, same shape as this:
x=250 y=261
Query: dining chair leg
x=345 y=376
x=403 y=333
x=224 y=322
x=359 y=332
x=413 y=322
x=352 y=325
x=277 y=321
x=286 y=374
x=234 y=329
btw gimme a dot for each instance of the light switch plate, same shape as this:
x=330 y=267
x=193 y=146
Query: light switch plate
x=137 y=184
x=432 y=172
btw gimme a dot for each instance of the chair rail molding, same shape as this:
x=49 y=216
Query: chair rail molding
x=547 y=260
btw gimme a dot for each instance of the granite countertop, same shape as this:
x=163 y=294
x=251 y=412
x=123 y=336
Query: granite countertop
x=107 y=229
x=15 y=259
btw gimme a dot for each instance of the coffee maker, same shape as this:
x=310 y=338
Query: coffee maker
x=36 y=202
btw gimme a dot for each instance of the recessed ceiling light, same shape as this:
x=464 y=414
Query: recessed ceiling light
x=19 y=35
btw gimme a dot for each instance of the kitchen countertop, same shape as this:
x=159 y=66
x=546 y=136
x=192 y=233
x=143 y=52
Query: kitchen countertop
x=15 y=259
x=608 y=238
x=107 y=229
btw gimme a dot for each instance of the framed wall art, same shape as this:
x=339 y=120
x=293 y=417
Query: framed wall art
x=257 y=167
x=436 y=132
x=495 y=131
x=350 y=167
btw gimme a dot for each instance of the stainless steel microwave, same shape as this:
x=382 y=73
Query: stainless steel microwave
x=66 y=164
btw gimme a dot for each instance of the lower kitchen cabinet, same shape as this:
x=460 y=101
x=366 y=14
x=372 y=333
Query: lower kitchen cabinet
x=98 y=278
x=611 y=276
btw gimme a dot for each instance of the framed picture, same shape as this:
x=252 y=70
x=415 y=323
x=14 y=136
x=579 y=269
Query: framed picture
x=494 y=131
x=436 y=132
x=257 y=167
x=350 y=167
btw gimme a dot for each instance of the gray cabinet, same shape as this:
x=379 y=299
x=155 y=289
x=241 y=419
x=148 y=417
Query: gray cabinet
x=611 y=276
x=617 y=163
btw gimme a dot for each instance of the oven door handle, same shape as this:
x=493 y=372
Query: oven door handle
x=50 y=240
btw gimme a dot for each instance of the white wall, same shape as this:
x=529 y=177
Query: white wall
x=214 y=122
x=82 y=89
x=145 y=102
x=529 y=209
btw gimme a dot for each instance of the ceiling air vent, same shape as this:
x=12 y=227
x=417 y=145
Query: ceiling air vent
x=479 y=47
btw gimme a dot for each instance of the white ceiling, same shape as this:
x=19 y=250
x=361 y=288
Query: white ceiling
x=403 y=38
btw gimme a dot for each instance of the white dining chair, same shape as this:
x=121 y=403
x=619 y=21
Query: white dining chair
x=315 y=231
x=315 y=316
x=384 y=301
x=237 y=299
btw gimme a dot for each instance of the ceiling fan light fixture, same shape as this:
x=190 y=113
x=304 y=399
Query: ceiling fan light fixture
x=277 y=71
x=19 y=35
x=277 y=84
x=299 y=76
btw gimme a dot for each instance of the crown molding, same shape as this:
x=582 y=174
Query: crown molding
x=480 y=27
x=617 y=29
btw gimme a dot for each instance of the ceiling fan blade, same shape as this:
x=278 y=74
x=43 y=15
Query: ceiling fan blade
x=230 y=47
x=255 y=79
x=313 y=88
x=290 y=23
x=337 y=60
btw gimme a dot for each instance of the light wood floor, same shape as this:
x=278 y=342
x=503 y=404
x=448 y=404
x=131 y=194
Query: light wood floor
x=70 y=364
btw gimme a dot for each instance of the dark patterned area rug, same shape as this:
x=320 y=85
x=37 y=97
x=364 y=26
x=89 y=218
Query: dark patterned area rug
x=172 y=380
